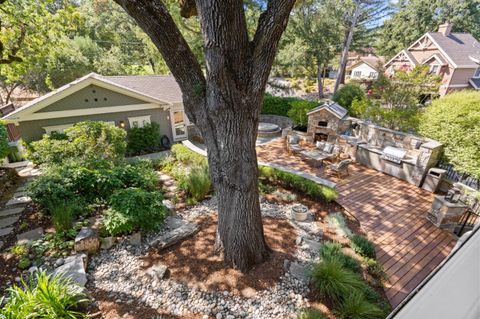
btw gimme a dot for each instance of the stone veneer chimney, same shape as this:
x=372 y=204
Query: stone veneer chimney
x=445 y=29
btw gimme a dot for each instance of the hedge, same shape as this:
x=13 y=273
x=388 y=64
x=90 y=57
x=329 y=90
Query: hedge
x=276 y=105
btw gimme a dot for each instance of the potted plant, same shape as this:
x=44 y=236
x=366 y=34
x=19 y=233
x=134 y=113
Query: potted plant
x=299 y=212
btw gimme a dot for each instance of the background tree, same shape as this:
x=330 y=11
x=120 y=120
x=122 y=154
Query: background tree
x=4 y=147
x=224 y=102
x=453 y=120
x=415 y=17
x=312 y=40
x=395 y=102
x=359 y=21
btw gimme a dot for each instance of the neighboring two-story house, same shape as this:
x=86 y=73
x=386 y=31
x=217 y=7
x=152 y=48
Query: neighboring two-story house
x=455 y=57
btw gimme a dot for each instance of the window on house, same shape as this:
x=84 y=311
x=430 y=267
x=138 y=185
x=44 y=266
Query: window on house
x=56 y=128
x=477 y=73
x=139 y=121
x=434 y=68
x=357 y=74
x=373 y=74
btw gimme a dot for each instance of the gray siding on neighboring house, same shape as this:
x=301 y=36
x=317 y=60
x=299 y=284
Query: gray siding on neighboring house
x=33 y=130
x=85 y=99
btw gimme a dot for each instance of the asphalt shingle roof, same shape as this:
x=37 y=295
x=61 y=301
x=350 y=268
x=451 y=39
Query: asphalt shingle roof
x=162 y=87
x=458 y=46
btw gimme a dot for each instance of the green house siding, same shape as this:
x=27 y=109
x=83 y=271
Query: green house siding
x=33 y=130
x=91 y=97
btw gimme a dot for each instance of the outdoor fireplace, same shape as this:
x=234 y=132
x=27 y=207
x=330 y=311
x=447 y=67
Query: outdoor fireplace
x=321 y=137
x=322 y=123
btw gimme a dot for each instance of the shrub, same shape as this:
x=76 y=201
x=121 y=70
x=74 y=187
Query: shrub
x=138 y=174
x=375 y=269
x=142 y=140
x=19 y=250
x=355 y=306
x=63 y=215
x=198 y=184
x=47 y=296
x=49 y=189
x=91 y=142
x=311 y=314
x=453 y=121
x=331 y=250
x=186 y=156
x=347 y=93
x=333 y=281
x=4 y=147
x=275 y=105
x=134 y=208
x=298 y=112
x=362 y=246
x=301 y=184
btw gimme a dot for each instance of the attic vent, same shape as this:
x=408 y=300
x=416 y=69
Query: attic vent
x=93 y=91
x=86 y=100
x=323 y=123
x=104 y=98
x=95 y=99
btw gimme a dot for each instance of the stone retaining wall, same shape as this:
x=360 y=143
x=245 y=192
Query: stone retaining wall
x=281 y=121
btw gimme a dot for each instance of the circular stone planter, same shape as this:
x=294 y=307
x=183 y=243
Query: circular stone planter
x=268 y=130
x=299 y=212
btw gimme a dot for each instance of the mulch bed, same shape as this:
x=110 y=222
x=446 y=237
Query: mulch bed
x=196 y=263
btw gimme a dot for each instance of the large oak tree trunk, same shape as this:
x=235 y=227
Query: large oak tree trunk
x=224 y=102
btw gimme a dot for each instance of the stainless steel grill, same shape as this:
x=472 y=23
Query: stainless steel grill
x=393 y=154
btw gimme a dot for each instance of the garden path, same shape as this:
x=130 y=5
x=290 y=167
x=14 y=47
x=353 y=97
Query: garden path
x=391 y=211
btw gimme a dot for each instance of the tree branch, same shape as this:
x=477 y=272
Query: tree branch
x=271 y=24
x=153 y=17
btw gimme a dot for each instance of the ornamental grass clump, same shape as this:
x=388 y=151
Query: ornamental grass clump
x=44 y=296
x=355 y=306
x=333 y=281
x=333 y=250
x=311 y=314
x=198 y=184
x=362 y=246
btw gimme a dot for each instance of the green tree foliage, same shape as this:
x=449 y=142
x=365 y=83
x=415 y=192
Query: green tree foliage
x=283 y=106
x=454 y=121
x=298 y=112
x=311 y=40
x=4 y=147
x=415 y=17
x=347 y=93
x=141 y=140
x=395 y=102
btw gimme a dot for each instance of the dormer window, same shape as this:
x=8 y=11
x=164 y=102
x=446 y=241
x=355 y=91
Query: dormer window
x=434 y=69
x=477 y=73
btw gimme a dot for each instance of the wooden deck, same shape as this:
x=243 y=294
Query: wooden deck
x=391 y=211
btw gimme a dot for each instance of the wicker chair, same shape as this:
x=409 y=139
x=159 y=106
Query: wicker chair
x=341 y=167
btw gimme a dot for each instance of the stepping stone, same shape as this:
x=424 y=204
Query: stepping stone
x=21 y=188
x=157 y=271
x=311 y=245
x=168 y=183
x=11 y=211
x=19 y=200
x=173 y=222
x=19 y=194
x=1 y=245
x=86 y=240
x=172 y=188
x=167 y=203
x=5 y=231
x=29 y=236
x=169 y=195
x=164 y=178
x=8 y=221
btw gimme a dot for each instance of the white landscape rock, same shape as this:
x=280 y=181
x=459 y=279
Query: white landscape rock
x=73 y=268
x=157 y=271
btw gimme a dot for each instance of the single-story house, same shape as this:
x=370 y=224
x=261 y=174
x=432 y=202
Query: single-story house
x=453 y=56
x=125 y=101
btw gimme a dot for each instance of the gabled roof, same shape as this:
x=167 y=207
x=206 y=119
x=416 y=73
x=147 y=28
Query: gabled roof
x=475 y=82
x=371 y=61
x=437 y=57
x=407 y=54
x=332 y=107
x=457 y=47
x=161 y=90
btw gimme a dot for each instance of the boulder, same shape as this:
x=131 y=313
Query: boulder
x=86 y=240
x=298 y=271
x=74 y=269
x=157 y=271
x=107 y=242
x=135 y=239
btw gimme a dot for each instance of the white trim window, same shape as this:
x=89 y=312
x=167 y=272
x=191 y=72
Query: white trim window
x=373 y=75
x=357 y=74
x=434 y=68
x=476 y=75
x=139 y=121
x=56 y=128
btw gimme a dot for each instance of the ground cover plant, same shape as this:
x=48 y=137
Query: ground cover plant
x=361 y=245
x=44 y=296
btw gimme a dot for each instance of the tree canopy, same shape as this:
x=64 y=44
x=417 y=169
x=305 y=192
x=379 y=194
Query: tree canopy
x=454 y=121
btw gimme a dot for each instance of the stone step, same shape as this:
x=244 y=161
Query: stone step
x=169 y=195
x=8 y=221
x=164 y=178
x=18 y=194
x=29 y=236
x=172 y=188
x=6 y=231
x=19 y=201
x=11 y=211
x=169 y=183
x=1 y=245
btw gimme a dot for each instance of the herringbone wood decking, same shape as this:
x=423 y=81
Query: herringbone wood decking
x=391 y=211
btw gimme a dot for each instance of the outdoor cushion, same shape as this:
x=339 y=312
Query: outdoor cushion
x=328 y=148
x=320 y=145
x=293 y=139
x=336 y=149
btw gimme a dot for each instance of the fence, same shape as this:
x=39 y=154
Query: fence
x=463 y=178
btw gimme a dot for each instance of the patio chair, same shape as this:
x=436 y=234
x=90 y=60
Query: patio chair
x=341 y=167
x=293 y=144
